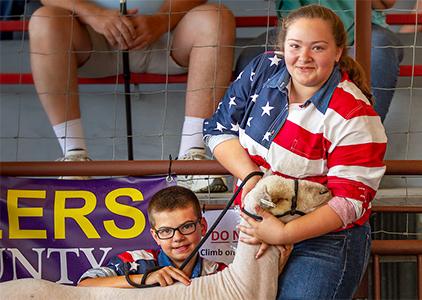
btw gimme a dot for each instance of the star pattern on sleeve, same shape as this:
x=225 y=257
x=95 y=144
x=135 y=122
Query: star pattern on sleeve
x=252 y=74
x=220 y=127
x=274 y=60
x=249 y=106
x=235 y=127
x=240 y=76
x=232 y=102
x=266 y=109
x=267 y=136
x=133 y=266
x=254 y=96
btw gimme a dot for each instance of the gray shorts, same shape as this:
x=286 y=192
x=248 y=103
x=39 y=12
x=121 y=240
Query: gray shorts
x=105 y=60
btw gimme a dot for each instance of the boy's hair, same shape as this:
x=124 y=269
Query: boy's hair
x=171 y=198
x=347 y=64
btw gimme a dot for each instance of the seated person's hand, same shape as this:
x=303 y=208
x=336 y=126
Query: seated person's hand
x=148 y=29
x=167 y=276
x=116 y=29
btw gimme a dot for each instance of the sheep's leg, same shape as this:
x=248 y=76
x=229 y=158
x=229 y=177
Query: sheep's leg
x=255 y=278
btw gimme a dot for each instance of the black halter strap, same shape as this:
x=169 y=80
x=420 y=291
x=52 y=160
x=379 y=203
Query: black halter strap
x=291 y=212
x=294 y=199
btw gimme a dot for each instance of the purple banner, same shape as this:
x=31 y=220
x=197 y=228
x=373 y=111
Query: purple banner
x=57 y=229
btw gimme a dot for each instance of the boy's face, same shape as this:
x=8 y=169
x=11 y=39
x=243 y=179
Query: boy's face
x=179 y=246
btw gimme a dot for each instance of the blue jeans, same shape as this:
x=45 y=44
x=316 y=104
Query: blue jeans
x=327 y=267
x=384 y=62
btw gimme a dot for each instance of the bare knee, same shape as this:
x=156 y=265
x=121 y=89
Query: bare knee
x=49 y=19
x=215 y=11
x=214 y=19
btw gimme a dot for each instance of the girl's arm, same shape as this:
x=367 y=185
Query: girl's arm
x=235 y=159
x=272 y=231
x=319 y=222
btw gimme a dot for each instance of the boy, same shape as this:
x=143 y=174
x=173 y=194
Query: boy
x=177 y=226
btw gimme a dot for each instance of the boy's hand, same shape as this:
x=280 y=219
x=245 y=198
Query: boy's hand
x=167 y=276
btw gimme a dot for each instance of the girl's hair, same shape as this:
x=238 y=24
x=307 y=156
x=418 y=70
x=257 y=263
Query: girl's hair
x=347 y=64
x=172 y=198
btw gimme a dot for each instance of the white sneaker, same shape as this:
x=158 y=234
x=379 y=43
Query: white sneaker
x=75 y=155
x=201 y=183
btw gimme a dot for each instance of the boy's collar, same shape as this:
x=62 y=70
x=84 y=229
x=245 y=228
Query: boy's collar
x=165 y=261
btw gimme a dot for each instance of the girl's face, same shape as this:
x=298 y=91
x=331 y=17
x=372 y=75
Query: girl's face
x=310 y=53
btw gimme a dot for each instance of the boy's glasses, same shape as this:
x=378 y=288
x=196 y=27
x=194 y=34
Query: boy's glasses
x=185 y=229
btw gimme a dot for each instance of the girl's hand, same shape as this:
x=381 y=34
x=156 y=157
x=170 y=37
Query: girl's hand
x=269 y=230
x=285 y=251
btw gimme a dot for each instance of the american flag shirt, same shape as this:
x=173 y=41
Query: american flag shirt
x=139 y=261
x=334 y=138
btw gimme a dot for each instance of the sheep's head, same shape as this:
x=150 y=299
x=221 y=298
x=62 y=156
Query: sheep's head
x=275 y=193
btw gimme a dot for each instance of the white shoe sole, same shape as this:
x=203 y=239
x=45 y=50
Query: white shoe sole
x=204 y=184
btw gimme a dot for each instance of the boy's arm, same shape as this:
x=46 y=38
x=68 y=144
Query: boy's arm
x=165 y=276
x=114 y=282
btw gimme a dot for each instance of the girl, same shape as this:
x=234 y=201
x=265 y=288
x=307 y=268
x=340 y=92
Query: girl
x=307 y=115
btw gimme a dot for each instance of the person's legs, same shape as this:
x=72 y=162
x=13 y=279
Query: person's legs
x=386 y=55
x=59 y=44
x=328 y=267
x=262 y=43
x=204 y=42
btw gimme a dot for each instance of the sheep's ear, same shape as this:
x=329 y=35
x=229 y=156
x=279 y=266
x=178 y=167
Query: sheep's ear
x=265 y=199
x=324 y=191
x=264 y=190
